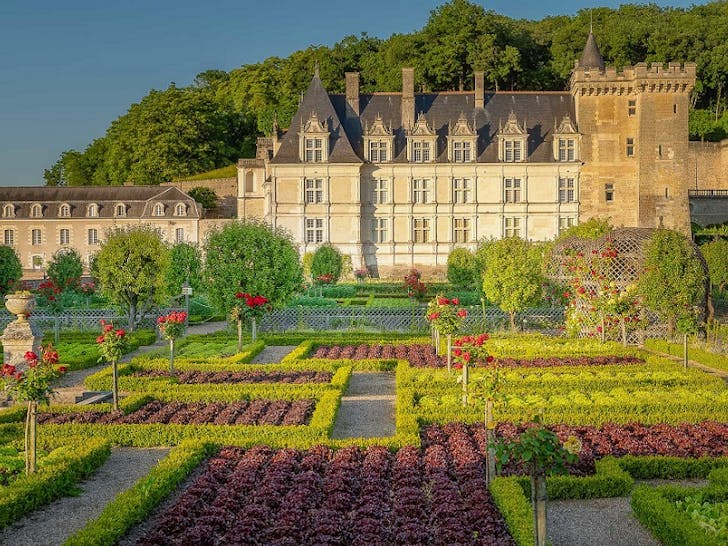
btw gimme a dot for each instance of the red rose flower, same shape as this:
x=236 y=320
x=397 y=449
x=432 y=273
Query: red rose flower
x=462 y=313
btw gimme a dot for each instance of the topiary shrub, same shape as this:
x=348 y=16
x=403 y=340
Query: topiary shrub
x=461 y=269
x=327 y=261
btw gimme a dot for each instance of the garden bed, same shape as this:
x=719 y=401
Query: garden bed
x=219 y=377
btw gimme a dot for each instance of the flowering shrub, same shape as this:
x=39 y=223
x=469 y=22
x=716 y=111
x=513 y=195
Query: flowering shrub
x=468 y=351
x=444 y=315
x=326 y=278
x=361 y=274
x=48 y=292
x=254 y=306
x=32 y=384
x=111 y=342
x=88 y=288
x=173 y=325
x=414 y=287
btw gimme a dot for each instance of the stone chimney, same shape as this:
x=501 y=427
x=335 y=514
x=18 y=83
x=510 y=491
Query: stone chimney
x=352 y=94
x=480 y=89
x=408 y=98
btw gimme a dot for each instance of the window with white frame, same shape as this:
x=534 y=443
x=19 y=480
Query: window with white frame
x=378 y=152
x=420 y=190
x=93 y=236
x=380 y=191
x=158 y=210
x=565 y=222
x=36 y=211
x=64 y=236
x=180 y=209
x=9 y=237
x=314 y=230
x=421 y=151
x=512 y=151
x=64 y=211
x=9 y=211
x=179 y=235
x=567 y=149
x=36 y=237
x=313 y=150
x=92 y=210
x=462 y=151
x=380 y=230
x=314 y=190
x=421 y=230
x=567 y=190
x=511 y=227
x=461 y=190
x=461 y=230
x=512 y=190
x=120 y=209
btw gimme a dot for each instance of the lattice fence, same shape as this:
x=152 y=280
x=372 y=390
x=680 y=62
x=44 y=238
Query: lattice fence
x=83 y=319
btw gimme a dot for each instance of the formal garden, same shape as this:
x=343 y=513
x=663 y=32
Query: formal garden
x=535 y=374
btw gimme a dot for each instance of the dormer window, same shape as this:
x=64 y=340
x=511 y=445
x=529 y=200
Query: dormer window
x=512 y=141
x=314 y=141
x=158 y=210
x=64 y=211
x=92 y=211
x=378 y=141
x=421 y=142
x=120 y=210
x=8 y=211
x=36 y=211
x=462 y=141
x=566 y=141
x=180 y=209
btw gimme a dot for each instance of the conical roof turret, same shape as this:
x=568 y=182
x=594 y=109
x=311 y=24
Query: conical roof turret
x=591 y=56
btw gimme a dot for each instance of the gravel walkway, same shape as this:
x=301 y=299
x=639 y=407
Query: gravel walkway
x=272 y=354
x=55 y=522
x=367 y=407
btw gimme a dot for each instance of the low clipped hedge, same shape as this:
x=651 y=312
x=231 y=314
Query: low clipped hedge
x=57 y=475
x=79 y=351
x=136 y=503
x=515 y=507
x=705 y=358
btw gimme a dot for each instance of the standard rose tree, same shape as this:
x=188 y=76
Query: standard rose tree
x=446 y=319
x=171 y=327
x=248 y=307
x=112 y=344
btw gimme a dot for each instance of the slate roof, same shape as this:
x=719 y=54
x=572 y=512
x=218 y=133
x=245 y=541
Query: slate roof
x=140 y=200
x=540 y=111
x=591 y=57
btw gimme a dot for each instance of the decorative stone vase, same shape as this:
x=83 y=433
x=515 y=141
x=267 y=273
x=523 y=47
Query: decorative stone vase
x=20 y=304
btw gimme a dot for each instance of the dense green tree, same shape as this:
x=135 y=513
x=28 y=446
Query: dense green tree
x=131 y=269
x=327 y=260
x=462 y=271
x=204 y=196
x=716 y=256
x=249 y=256
x=65 y=269
x=185 y=265
x=10 y=269
x=673 y=282
x=512 y=277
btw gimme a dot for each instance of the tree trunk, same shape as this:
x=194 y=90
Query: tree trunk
x=449 y=353
x=685 y=351
x=490 y=437
x=512 y=315
x=601 y=324
x=538 y=501
x=254 y=329
x=131 y=317
x=56 y=329
x=465 y=384
x=115 y=385
x=240 y=335
x=171 y=357
x=31 y=437
x=623 y=327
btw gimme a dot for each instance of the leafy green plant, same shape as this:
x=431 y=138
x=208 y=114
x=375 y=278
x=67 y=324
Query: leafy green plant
x=327 y=262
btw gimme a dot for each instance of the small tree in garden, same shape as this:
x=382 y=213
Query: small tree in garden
x=361 y=274
x=171 y=327
x=10 y=269
x=469 y=351
x=541 y=452
x=185 y=264
x=112 y=344
x=65 y=269
x=446 y=318
x=512 y=276
x=673 y=281
x=415 y=288
x=250 y=307
x=462 y=271
x=327 y=262
x=32 y=385
x=490 y=389
x=716 y=256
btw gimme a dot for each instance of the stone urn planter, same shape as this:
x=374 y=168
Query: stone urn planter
x=20 y=304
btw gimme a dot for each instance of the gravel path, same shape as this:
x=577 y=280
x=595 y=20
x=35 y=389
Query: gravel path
x=55 y=522
x=272 y=354
x=367 y=407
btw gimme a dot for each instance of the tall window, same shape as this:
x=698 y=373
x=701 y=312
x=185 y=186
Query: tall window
x=9 y=237
x=64 y=211
x=420 y=151
x=631 y=107
x=421 y=230
x=180 y=209
x=36 y=237
x=93 y=236
x=64 y=236
x=461 y=230
x=159 y=209
x=609 y=192
x=380 y=191
x=377 y=151
x=93 y=210
x=420 y=190
x=630 y=147
x=380 y=230
x=36 y=211
x=461 y=190
x=314 y=230
x=461 y=152
x=512 y=190
x=567 y=190
x=314 y=190
x=511 y=227
x=9 y=211
x=313 y=150
x=567 y=149
x=565 y=222
x=512 y=150
x=179 y=235
x=120 y=210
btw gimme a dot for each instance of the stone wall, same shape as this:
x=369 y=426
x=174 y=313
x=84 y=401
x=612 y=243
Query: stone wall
x=226 y=190
x=708 y=165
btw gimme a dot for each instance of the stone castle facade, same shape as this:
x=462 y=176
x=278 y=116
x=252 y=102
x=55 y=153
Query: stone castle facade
x=397 y=180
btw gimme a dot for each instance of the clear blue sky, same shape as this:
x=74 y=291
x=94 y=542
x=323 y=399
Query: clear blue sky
x=69 y=68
